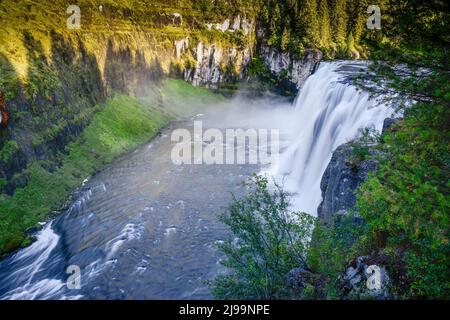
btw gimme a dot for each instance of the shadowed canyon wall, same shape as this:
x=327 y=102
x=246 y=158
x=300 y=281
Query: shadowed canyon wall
x=52 y=75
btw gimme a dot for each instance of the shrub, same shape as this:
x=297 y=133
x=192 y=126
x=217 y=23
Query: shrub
x=268 y=242
x=333 y=246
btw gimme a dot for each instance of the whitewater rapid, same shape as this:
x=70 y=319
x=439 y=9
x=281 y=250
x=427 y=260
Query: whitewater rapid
x=329 y=111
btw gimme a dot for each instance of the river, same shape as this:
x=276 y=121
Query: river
x=146 y=228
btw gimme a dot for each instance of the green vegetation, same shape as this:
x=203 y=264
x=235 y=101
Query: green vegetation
x=181 y=100
x=326 y=25
x=118 y=126
x=124 y=24
x=270 y=241
x=406 y=202
x=334 y=245
x=402 y=211
x=406 y=205
x=8 y=149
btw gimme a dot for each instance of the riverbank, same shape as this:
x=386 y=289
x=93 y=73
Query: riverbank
x=143 y=227
x=117 y=126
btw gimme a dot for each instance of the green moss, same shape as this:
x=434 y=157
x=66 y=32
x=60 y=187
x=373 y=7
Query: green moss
x=8 y=150
x=9 y=83
x=122 y=123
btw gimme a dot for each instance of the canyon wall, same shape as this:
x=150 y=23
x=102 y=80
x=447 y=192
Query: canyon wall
x=54 y=77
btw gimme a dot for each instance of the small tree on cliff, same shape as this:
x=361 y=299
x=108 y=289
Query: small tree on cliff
x=268 y=241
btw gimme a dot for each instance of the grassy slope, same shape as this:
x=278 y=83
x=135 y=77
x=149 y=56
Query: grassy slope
x=118 y=126
x=182 y=101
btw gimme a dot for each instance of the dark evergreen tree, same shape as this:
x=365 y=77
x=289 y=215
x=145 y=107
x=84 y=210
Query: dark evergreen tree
x=324 y=24
x=339 y=23
x=308 y=22
x=357 y=17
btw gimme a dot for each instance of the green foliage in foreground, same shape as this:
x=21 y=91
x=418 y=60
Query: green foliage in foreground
x=122 y=123
x=269 y=242
x=406 y=203
x=333 y=246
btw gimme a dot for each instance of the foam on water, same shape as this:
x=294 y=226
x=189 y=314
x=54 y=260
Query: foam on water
x=28 y=263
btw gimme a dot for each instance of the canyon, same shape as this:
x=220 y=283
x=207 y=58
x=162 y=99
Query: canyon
x=131 y=211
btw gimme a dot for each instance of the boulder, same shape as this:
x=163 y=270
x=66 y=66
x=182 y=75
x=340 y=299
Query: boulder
x=366 y=278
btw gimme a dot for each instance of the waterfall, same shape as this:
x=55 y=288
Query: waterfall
x=329 y=111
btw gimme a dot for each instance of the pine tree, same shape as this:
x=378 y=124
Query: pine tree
x=356 y=13
x=325 y=30
x=339 y=23
x=292 y=5
x=285 y=38
x=351 y=50
x=275 y=19
x=308 y=23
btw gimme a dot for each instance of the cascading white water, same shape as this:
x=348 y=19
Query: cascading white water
x=30 y=262
x=329 y=111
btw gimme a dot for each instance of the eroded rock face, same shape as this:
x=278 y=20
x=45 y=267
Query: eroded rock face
x=296 y=70
x=300 y=284
x=340 y=180
x=233 y=24
x=299 y=278
x=181 y=46
x=343 y=175
x=211 y=62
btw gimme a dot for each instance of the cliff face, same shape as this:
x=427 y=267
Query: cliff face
x=340 y=180
x=214 y=64
x=348 y=168
x=293 y=69
x=53 y=76
x=343 y=175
